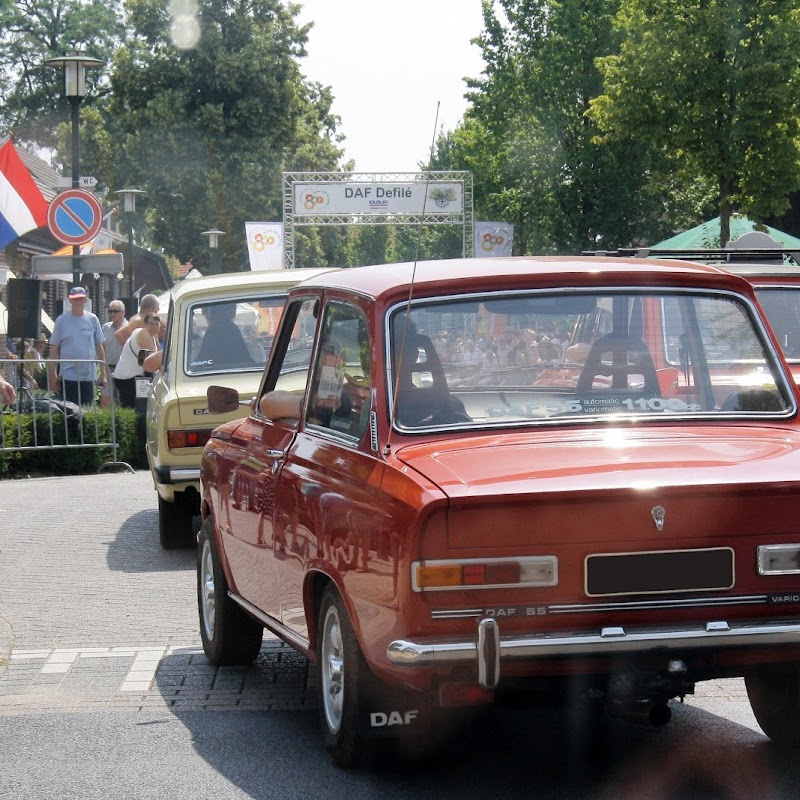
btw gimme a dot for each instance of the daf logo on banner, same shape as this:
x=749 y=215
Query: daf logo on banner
x=493 y=239
x=359 y=197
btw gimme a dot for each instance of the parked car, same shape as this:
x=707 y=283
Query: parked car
x=774 y=272
x=240 y=313
x=617 y=526
x=778 y=290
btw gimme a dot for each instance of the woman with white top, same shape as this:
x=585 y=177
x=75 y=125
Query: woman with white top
x=128 y=367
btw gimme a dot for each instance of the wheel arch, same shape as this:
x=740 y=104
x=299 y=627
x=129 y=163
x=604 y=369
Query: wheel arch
x=316 y=582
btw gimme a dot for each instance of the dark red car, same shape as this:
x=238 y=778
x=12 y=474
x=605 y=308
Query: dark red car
x=438 y=494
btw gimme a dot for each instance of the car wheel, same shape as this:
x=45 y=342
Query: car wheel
x=775 y=699
x=230 y=636
x=175 y=520
x=341 y=669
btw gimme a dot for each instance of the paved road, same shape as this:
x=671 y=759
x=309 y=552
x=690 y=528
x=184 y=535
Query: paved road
x=93 y=610
x=104 y=691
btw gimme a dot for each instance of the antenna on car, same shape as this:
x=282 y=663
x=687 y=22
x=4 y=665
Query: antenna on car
x=388 y=448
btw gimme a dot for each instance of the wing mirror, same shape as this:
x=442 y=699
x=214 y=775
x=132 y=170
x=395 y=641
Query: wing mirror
x=222 y=400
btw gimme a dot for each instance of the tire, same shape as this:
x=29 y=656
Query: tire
x=175 y=520
x=775 y=699
x=230 y=637
x=341 y=669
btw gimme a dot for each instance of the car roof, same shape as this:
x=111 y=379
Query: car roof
x=456 y=276
x=225 y=283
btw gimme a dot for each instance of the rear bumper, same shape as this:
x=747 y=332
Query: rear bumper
x=489 y=649
x=170 y=475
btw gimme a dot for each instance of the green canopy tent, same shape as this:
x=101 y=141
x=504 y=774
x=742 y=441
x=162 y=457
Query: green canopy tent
x=706 y=236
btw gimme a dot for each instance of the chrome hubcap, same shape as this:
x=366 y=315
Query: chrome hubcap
x=332 y=670
x=208 y=595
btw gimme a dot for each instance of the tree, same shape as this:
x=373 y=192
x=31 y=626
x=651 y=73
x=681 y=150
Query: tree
x=534 y=152
x=208 y=125
x=716 y=85
x=31 y=31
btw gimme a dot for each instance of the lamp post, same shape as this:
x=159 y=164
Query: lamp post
x=213 y=245
x=75 y=63
x=129 y=208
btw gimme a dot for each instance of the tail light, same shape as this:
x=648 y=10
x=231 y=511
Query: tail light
x=484 y=573
x=188 y=438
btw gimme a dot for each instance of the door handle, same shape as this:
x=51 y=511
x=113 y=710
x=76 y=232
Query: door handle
x=278 y=456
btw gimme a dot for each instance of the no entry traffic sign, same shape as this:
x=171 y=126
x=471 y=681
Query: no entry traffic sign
x=74 y=216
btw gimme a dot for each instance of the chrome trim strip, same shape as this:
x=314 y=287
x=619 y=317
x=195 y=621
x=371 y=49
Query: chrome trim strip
x=642 y=605
x=609 y=641
x=271 y=624
x=588 y=608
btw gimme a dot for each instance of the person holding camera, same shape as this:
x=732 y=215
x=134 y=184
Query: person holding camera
x=131 y=360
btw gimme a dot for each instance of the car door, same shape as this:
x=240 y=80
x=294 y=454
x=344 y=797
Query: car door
x=254 y=549
x=327 y=504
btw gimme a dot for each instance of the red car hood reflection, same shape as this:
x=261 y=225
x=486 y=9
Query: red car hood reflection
x=611 y=459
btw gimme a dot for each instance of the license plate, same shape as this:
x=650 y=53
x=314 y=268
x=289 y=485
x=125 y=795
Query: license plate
x=660 y=572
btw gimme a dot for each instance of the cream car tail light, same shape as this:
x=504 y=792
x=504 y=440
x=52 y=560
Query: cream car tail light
x=196 y=438
x=779 y=559
x=484 y=573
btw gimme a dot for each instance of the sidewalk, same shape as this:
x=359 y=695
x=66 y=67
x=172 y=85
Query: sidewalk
x=94 y=612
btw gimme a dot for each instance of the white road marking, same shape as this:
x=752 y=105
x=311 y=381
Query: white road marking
x=140 y=675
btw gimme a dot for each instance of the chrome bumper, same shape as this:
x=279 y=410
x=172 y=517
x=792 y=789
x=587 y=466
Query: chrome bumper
x=489 y=648
x=167 y=475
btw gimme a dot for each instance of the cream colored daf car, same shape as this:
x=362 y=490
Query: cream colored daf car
x=219 y=329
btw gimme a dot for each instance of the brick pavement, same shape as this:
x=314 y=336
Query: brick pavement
x=93 y=612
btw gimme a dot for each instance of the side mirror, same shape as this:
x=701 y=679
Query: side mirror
x=222 y=400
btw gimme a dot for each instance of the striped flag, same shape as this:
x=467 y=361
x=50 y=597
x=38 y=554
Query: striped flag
x=22 y=206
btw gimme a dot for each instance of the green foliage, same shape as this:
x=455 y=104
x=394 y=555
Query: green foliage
x=715 y=84
x=57 y=450
x=208 y=129
x=31 y=94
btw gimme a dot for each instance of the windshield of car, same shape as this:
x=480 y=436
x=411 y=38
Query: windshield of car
x=781 y=304
x=231 y=335
x=542 y=358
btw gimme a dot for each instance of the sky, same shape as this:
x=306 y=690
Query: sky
x=389 y=62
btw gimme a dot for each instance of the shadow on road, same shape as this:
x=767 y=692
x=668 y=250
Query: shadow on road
x=506 y=753
x=135 y=548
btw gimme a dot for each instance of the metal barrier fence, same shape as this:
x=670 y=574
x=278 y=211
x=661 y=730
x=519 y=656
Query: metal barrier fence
x=57 y=423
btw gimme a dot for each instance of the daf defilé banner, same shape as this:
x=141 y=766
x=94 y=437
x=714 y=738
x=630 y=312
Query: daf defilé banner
x=319 y=199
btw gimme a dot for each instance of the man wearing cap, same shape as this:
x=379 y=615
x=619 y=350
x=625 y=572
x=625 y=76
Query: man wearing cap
x=77 y=334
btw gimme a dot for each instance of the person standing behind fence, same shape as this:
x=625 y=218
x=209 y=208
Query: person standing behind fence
x=116 y=311
x=128 y=367
x=147 y=305
x=7 y=392
x=77 y=334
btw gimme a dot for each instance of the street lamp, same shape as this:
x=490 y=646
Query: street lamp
x=75 y=63
x=213 y=244
x=129 y=208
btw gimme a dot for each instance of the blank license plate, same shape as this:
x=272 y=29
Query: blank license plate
x=659 y=572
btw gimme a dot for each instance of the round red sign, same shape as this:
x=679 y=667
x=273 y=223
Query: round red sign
x=75 y=216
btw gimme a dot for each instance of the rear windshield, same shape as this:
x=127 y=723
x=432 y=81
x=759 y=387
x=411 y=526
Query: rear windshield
x=539 y=358
x=233 y=335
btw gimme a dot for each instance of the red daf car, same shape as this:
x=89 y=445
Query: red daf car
x=605 y=496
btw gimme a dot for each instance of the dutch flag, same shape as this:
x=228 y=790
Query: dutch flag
x=22 y=206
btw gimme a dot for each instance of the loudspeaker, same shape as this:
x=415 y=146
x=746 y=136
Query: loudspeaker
x=24 y=308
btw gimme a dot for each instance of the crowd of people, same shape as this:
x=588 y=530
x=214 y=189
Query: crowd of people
x=109 y=357
x=525 y=348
